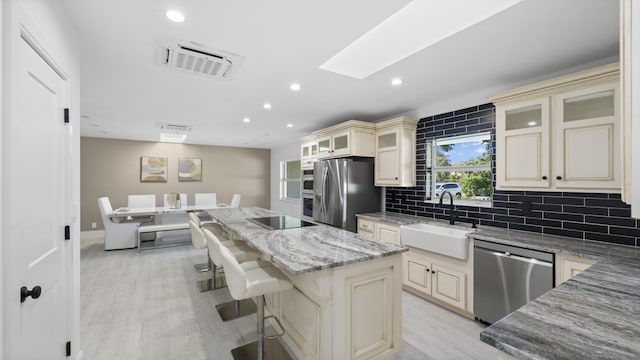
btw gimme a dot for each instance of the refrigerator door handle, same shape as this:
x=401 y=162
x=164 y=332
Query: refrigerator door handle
x=325 y=174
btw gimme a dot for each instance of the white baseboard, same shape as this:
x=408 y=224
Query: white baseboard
x=91 y=234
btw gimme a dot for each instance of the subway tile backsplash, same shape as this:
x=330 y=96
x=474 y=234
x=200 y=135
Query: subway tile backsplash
x=591 y=216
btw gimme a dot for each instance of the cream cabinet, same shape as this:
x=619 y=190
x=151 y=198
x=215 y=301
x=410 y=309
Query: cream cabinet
x=570 y=266
x=347 y=312
x=441 y=279
x=366 y=228
x=350 y=138
x=387 y=233
x=561 y=135
x=630 y=85
x=379 y=231
x=395 y=160
x=308 y=152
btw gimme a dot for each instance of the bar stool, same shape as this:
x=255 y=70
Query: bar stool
x=199 y=242
x=242 y=253
x=256 y=279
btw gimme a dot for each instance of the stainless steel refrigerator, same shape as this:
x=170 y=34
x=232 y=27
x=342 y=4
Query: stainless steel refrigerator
x=341 y=189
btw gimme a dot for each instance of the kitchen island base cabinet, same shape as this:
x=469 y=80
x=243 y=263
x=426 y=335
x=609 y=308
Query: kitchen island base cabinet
x=350 y=312
x=440 y=279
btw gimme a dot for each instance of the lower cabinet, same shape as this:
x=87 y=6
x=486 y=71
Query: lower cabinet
x=438 y=277
x=351 y=312
x=570 y=266
x=388 y=233
x=380 y=231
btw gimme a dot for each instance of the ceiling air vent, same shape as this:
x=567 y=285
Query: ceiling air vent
x=173 y=127
x=197 y=59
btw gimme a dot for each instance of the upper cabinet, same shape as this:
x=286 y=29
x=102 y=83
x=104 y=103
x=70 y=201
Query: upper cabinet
x=562 y=134
x=395 y=160
x=350 y=138
x=308 y=152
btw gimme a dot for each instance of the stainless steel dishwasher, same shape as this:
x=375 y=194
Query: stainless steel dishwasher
x=507 y=277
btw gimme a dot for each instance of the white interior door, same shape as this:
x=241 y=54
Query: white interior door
x=38 y=205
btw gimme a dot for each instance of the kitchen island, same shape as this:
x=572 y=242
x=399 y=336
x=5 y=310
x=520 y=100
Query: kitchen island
x=346 y=301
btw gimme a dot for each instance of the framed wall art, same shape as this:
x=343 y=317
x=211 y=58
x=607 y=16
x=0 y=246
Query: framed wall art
x=189 y=169
x=153 y=169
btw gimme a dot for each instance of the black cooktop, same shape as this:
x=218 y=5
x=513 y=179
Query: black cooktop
x=279 y=222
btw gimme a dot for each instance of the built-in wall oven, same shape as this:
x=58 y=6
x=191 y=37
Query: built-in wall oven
x=307 y=194
x=307 y=181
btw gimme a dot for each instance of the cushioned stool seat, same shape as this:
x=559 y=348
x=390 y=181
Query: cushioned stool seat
x=255 y=279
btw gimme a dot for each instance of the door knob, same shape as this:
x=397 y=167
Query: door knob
x=34 y=293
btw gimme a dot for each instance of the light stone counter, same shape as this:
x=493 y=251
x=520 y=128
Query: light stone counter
x=594 y=315
x=304 y=249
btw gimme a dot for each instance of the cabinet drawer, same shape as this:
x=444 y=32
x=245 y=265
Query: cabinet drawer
x=365 y=226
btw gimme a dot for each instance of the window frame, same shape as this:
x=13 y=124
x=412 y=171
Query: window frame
x=432 y=169
x=285 y=181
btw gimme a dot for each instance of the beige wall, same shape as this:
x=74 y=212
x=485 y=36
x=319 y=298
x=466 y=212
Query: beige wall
x=112 y=168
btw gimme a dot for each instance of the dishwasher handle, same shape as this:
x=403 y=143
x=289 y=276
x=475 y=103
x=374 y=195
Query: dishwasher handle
x=509 y=255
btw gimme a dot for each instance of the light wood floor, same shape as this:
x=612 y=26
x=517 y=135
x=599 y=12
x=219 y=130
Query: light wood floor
x=146 y=306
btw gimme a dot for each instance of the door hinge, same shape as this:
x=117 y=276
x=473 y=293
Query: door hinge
x=66 y=115
x=68 y=348
x=67 y=232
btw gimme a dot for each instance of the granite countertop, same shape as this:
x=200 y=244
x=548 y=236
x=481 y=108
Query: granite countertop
x=304 y=249
x=594 y=315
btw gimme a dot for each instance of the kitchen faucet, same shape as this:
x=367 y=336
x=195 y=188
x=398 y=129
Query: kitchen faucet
x=453 y=211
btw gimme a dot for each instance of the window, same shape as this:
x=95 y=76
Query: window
x=460 y=165
x=290 y=180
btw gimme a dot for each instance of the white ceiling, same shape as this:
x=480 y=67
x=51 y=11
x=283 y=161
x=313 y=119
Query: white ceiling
x=125 y=93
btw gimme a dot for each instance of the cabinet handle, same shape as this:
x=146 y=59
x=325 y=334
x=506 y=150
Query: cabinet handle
x=544 y=177
x=558 y=177
x=365 y=226
x=433 y=272
x=396 y=178
x=428 y=271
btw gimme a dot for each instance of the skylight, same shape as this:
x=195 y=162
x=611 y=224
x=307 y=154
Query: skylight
x=418 y=25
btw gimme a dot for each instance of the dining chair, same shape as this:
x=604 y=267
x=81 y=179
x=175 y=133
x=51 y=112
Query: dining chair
x=141 y=201
x=206 y=199
x=235 y=201
x=116 y=235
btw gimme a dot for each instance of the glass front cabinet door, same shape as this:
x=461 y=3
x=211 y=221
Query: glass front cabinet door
x=587 y=138
x=522 y=144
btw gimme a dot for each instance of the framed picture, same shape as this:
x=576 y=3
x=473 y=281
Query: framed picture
x=153 y=169
x=189 y=169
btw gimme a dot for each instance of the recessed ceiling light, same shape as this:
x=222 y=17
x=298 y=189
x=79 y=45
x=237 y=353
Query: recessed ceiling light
x=289 y=125
x=295 y=87
x=175 y=15
x=246 y=120
x=94 y=125
x=419 y=24
x=173 y=138
x=396 y=81
x=266 y=106
x=102 y=132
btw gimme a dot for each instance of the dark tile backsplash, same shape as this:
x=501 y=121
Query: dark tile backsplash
x=592 y=216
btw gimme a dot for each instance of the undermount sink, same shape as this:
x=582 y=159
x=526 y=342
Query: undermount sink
x=443 y=240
